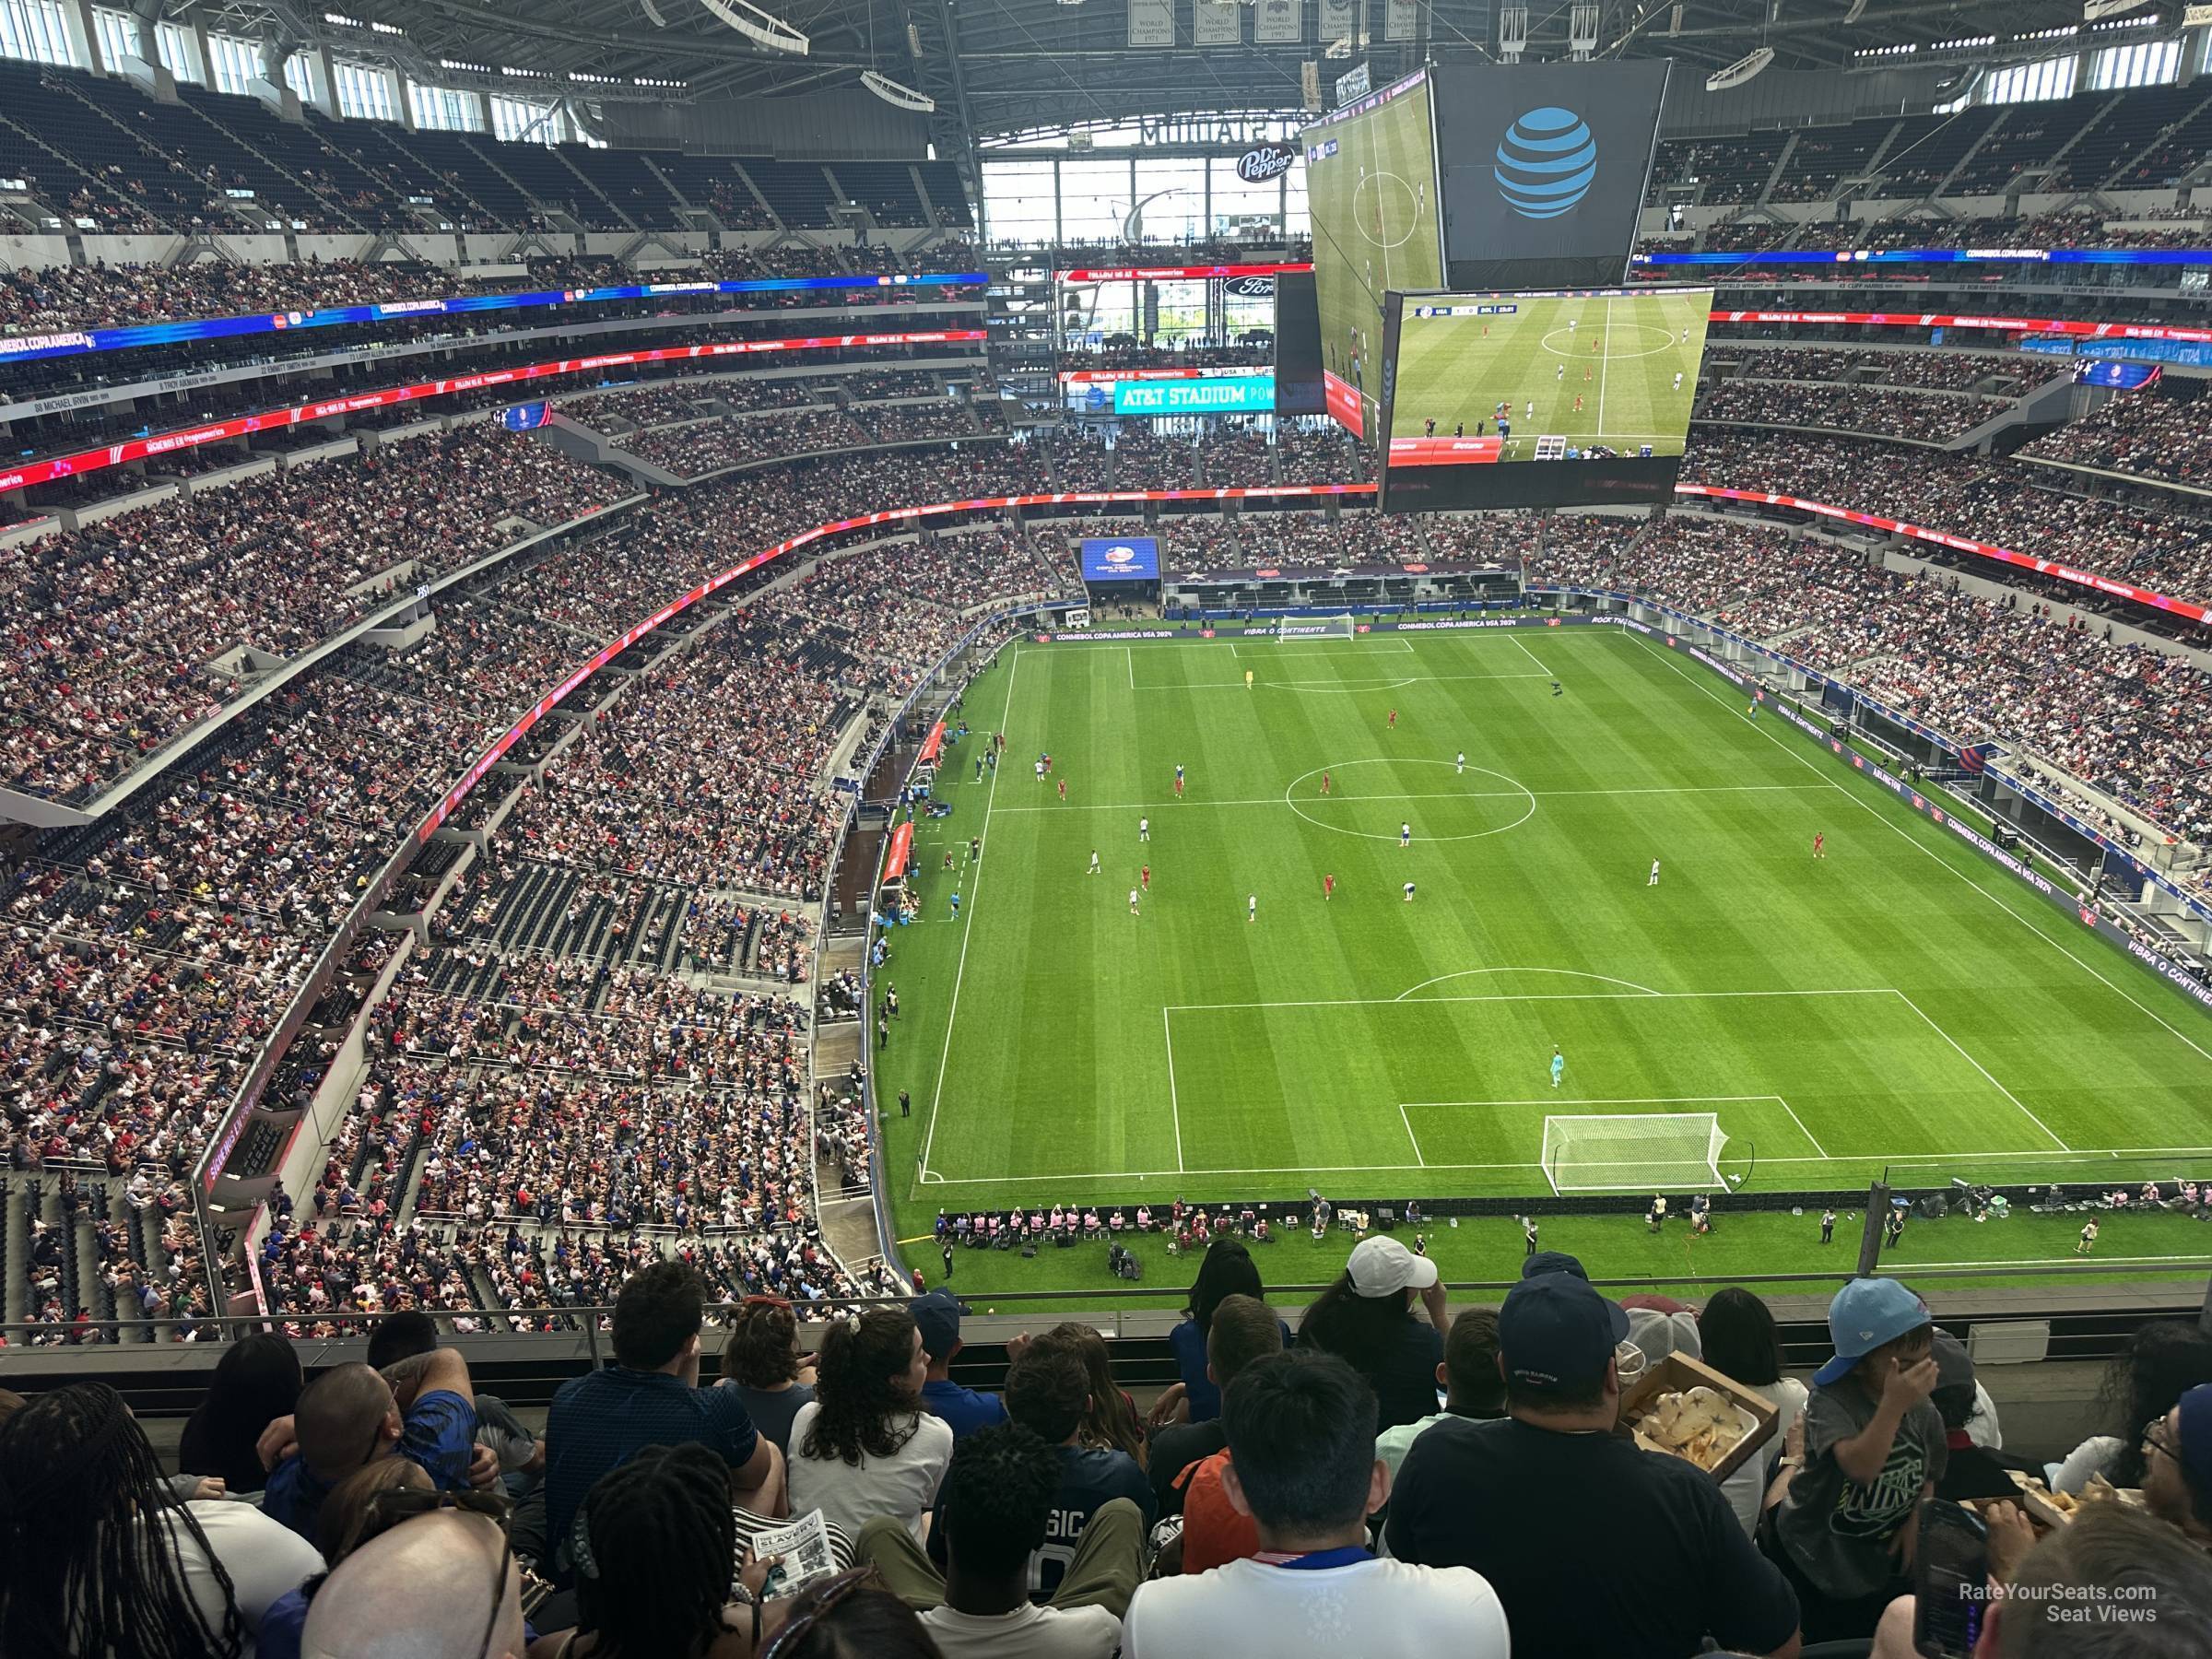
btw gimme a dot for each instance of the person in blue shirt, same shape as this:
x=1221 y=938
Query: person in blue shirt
x=421 y=1409
x=1558 y=1068
x=651 y=1396
x=938 y=1316
x=1226 y=1269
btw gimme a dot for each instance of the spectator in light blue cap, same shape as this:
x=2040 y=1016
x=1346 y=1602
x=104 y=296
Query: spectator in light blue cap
x=1874 y=1448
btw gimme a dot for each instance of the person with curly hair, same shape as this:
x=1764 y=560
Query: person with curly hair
x=762 y=1363
x=101 y=1560
x=863 y=1446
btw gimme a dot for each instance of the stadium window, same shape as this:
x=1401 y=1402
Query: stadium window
x=2145 y=63
x=118 y=39
x=1094 y=200
x=174 y=47
x=1019 y=203
x=2033 y=83
x=516 y=119
x=233 y=63
x=444 y=109
x=1297 y=220
x=297 y=77
x=1180 y=215
x=34 y=31
x=364 y=94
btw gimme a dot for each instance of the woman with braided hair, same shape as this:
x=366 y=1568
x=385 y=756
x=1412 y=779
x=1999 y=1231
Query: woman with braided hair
x=863 y=1446
x=102 y=1563
x=653 y=1546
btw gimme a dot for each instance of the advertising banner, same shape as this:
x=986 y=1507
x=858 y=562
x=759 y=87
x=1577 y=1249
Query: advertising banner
x=1207 y=395
x=1544 y=168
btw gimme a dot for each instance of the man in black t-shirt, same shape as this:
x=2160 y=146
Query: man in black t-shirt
x=1595 y=1545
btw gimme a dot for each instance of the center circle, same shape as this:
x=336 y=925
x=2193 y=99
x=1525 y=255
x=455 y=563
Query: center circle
x=1421 y=808
x=1666 y=342
x=1384 y=202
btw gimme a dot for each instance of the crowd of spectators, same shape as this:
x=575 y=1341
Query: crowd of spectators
x=1924 y=371
x=2028 y=509
x=116 y=624
x=705 y=446
x=1422 y=1480
x=2151 y=436
x=1882 y=411
x=46 y=298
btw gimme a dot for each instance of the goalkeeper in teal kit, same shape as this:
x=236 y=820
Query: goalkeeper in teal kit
x=1559 y=1067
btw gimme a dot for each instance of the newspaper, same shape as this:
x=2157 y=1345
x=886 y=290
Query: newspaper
x=804 y=1546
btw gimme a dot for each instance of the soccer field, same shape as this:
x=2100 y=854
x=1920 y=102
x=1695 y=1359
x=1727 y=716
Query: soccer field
x=1373 y=196
x=1597 y=369
x=1898 y=1002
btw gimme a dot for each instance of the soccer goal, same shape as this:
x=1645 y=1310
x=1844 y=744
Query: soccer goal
x=1649 y=1152
x=1304 y=630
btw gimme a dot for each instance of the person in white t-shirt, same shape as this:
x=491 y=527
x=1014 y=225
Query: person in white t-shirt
x=863 y=1446
x=1303 y=1464
x=996 y=1513
x=79 y=1474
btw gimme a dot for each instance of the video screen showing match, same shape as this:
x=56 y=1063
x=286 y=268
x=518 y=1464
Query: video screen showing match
x=1370 y=185
x=1552 y=398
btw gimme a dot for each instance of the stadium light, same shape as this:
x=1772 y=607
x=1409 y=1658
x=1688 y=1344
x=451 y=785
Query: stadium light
x=1742 y=70
x=758 y=26
x=892 y=93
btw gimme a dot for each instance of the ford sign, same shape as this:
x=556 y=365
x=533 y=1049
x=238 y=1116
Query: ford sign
x=1266 y=161
x=1250 y=287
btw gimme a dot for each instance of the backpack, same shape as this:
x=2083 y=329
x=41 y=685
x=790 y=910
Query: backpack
x=1214 y=1530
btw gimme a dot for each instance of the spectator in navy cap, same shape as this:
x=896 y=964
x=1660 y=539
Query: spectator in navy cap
x=1676 y=1566
x=1553 y=1261
x=2177 y=1465
x=938 y=1317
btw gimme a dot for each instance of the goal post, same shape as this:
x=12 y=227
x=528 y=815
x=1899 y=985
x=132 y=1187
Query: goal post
x=1645 y=1152
x=1302 y=630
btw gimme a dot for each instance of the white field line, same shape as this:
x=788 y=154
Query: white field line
x=1977 y=1065
x=1899 y=830
x=936 y=1094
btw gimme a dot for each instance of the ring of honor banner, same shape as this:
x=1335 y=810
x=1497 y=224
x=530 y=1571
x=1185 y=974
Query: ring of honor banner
x=1544 y=167
x=1278 y=23
x=1151 y=22
x=1401 y=19
x=1215 y=23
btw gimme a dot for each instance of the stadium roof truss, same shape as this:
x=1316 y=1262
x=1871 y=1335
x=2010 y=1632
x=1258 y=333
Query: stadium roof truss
x=997 y=66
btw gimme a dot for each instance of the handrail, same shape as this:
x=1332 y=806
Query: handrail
x=2177 y=1272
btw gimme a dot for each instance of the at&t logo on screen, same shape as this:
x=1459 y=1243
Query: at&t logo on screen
x=1545 y=162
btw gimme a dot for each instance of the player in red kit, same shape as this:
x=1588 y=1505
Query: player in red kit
x=1064 y=789
x=1393 y=720
x=1328 y=886
x=1820 y=844
x=1144 y=878
x=1325 y=782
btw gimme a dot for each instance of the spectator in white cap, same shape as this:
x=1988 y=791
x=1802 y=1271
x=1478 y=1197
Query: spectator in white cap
x=1366 y=1318
x=1874 y=1448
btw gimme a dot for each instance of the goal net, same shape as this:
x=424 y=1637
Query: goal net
x=1649 y=1152
x=1294 y=630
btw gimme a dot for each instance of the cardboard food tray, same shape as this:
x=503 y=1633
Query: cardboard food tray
x=2035 y=1498
x=1678 y=1373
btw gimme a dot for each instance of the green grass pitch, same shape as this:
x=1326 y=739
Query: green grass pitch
x=1375 y=228
x=1896 y=1004
x=1616 y=356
